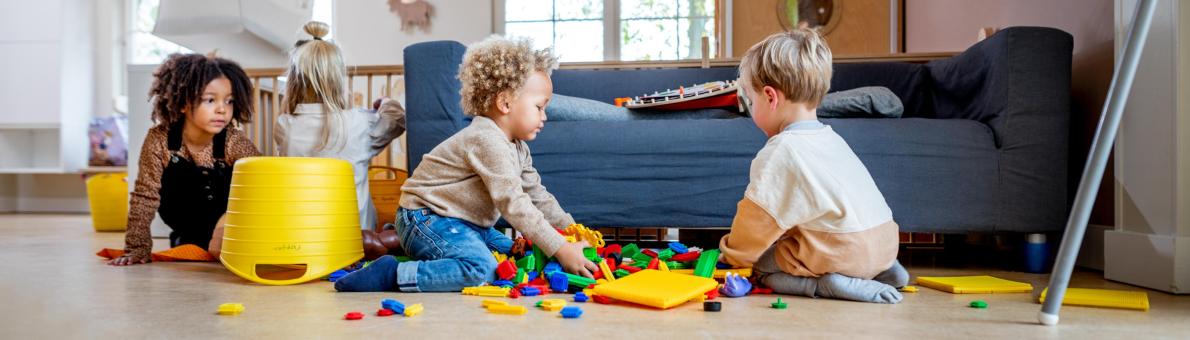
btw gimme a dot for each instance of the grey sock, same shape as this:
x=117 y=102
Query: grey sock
x=783 y=283
x=838 y=286
x=895 y=276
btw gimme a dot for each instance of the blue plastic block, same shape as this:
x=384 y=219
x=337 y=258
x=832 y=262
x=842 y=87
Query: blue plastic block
x=530 y=291
x=721 y=265
x=678 y=248
x=580 y=297
x=552 y=267
x=502 y=283
x=393 y=305
x=559 y=282
x=572 y=312
x=532 y=275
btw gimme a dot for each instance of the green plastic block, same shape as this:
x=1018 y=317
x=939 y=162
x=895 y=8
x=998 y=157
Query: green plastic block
x=664 y=255
x=676 y=265
x=539 y=258
x=591 y=254
x=520 y=276
x=706 y=263
x=629 y=250
x=579 y=281
x=978 y=304
x=404 y=259
x=620 y=273
x=641 y=258
x=780 y=304
x=528 y=263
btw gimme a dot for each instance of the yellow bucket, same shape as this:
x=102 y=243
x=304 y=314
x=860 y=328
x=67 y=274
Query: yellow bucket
x=108 y=197
x=291 y=212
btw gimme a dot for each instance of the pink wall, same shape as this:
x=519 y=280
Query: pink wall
x=953 y=25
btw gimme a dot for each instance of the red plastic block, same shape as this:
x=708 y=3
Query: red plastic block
x=515 y=293
x=506 y=270
x=630 y=269
x=598 y=274
x=713 y=293
x=759 y=290
x=385 y=312
x=686 y=257
x=654 y=263
x=611 y=249
x=354 y=316
x=602 y=299
x=649 y=252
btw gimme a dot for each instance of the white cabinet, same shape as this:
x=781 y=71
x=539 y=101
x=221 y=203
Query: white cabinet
x=46 y=85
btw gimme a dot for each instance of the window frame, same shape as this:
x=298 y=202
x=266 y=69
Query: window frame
x=611 y=28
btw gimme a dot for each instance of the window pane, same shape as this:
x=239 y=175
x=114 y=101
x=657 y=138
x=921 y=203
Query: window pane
x=579 y=9
x=648 y=9
x=690 y=37
x=696 y=8
x=528 y=10
x=542 y=33
x=579 y=40
x=649 y=39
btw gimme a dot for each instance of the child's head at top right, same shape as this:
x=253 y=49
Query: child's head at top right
x=795 y=65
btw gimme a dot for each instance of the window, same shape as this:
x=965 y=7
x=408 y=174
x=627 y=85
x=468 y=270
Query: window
x=147 y=48
x=630 y=30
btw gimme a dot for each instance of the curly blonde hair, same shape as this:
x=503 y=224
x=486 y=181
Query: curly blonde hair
x=499 y=66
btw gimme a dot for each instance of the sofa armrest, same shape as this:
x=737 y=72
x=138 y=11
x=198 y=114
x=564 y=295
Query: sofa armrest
x=433 y=109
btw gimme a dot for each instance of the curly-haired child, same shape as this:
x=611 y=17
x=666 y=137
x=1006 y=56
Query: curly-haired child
x=186 y=161
x=320 y=123
x=485 y=171
x=812 y=221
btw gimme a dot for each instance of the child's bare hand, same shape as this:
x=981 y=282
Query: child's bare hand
x=126 y=260
x=571 y=257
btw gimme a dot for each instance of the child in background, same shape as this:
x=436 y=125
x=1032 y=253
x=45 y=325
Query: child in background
x=812 y=221
x=320 y=123
x=187 y=158
x=466 y=183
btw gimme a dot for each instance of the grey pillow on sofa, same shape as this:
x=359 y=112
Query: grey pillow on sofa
x=861 y=102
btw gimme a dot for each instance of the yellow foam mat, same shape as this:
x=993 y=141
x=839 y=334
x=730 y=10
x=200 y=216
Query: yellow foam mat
x=656 y=288
x=1123 y=299
x=982 y=284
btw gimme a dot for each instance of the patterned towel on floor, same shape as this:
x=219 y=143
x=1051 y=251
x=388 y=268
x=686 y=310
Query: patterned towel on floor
x=185 y=252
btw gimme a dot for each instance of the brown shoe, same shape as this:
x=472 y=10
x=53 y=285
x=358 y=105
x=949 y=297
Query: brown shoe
x=390 y=240
x=373 y=248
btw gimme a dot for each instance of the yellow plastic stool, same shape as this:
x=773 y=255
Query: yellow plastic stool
x=291 y=211
x=107 y=194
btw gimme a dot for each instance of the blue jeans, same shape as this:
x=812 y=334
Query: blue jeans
x=450 y=253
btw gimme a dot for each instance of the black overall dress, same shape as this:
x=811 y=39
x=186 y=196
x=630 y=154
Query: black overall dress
x=193 y=198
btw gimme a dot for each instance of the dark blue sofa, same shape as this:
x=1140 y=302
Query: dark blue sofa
x=982 y=146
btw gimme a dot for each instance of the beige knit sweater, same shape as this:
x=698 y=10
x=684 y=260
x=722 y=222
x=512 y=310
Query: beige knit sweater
x=478 y=175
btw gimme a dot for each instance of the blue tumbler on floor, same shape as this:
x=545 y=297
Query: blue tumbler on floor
x=1037 y=253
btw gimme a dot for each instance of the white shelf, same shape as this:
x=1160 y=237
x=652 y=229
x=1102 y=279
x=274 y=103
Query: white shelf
x=10 y=171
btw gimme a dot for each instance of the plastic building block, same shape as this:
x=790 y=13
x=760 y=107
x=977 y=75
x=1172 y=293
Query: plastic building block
x=230 y=309
x=1123 y=299
x=757 y=289
x=620 y=273
x=520 y=277
x=580 y=297
x=489 y=302
x=527 y=263
x=653 y=264
x=662 y=266
x=706 y=263
x=678 y=247
x=559 y=281
x=514 y=294
x=499 y=257
x=491 y=291
x=577 y=281
x=675 y=265
x=641 y=259
x=649 y=253
x=656 y=288
x=980 y=304
x=413 y=310
x=718 y=274
x=974 y=284
x=506 y=270
x=602 y=299
x=712 y=306
x=629 y=269
x=779 y=304
x=616 y=258
x=508 y=309
x=591 y=254
x=539 y=259
x=712 y=294
x=572 y=312
x=611 y=249
x=911 y=289
x=722 y=265
x=664 y=255
x=393 y=305
x=582 y=233
x=629 y=250
x=735 y=285
x=689 y=256
x=552 y=305
x=530 y=276
x=353 y=316
x=385 y=312
x=552 y=267
x=530 y=291
x=502 y=283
